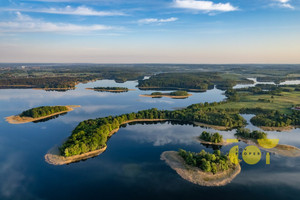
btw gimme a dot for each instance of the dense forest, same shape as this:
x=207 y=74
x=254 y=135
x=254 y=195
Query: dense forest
x=43 y=111
x=91 y=134
x=179 y=93
x=175 y=93
x=211 y=137
x=276 y=119
x=199 y=81
x=247 y=134
x=112 y=88
x=208 y=162
x=46 y=82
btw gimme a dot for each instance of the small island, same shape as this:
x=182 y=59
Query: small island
x=202 y=168
x=173 y=95
x=212 y=139
x=111 y=89
x=260 y=139
x=39 y=113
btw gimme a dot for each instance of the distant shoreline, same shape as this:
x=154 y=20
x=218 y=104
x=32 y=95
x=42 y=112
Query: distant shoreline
x=165 y=95
x=196 y=175
x=107 y=90
x=17 y=119
x=172 y=88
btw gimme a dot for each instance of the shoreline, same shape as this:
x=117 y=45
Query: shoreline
x=172 y=88
x=280 y=149
x=16 y=119
x=197 y=176
x=165 y=95
x=269 y=128
x=216 y=127
x=104 y=90
x=53 y=157
x=223 y=143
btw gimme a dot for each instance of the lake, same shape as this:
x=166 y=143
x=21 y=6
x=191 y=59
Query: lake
x=130 y=168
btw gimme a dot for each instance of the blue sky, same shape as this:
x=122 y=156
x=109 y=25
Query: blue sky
x=156 y=31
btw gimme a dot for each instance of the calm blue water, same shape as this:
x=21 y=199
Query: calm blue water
x=131 y=167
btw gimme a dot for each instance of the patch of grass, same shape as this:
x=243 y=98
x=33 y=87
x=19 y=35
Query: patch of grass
x=282 y=103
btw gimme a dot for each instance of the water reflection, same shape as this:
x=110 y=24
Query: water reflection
x=132 y=159
x=49 y=118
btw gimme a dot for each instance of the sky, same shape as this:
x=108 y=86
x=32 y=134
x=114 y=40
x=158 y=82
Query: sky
x=150 y=31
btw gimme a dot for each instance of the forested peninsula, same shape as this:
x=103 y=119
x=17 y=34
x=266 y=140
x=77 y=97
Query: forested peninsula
x=39 y=113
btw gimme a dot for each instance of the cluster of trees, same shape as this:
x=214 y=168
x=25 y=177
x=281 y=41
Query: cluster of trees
x=156 y=93
x=201 y=81
x=206 y=161
x=43 y=111
x=90 y=135
x=179 y=93
x=46 y=82
x=276 y=119
x=93 y=134
x=246 y=133
x=111 y=88
x=209 y=137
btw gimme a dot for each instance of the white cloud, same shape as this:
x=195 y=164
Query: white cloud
x=284 y=4
x=155 y=20
x=24 y=23
x=206 y=6
x=68 y=10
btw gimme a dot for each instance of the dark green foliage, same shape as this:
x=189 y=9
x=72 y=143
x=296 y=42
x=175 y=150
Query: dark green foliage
x=179 y=93
x=276 y=119
x=209 y=137
x=90 y=135
x=111 y=88
x=246 y=133
x=201 y=81
x=156 y=93
x=208 y=162
x=43 y=111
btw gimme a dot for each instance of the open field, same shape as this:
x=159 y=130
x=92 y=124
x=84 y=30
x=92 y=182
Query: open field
x=282 y=103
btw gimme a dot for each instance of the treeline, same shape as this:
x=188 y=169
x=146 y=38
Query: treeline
x=276 y=119
x=246 y=133
x=43 y=111
x=208 y=113
x=111 y=88
x=211 y=137
x=91 y=134
x=46 y=82
x=201 y=81
x=206 y=161
x=179 y=93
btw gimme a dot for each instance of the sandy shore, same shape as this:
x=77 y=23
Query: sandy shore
x=286 y=128
x=53 y=156
x=280 y=149
x=197 y=176
x=223 y=143
x=16 y=119
x=220 y=128
x=165 y=95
